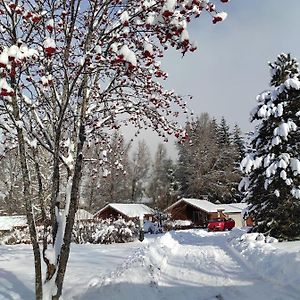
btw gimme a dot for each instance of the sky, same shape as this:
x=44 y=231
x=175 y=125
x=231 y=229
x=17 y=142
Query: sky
x=230 y=67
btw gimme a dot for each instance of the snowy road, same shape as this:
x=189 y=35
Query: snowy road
x=191 y=265
x=184 y=265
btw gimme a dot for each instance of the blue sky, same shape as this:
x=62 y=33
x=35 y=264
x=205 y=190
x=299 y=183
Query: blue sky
x=230 y=67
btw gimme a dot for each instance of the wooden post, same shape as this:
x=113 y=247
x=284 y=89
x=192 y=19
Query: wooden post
x=141 y=233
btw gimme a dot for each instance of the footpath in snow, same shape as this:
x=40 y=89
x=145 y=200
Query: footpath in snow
x=199 y=265
x=189 y=265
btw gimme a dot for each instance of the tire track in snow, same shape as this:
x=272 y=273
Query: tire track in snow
x=227 y=272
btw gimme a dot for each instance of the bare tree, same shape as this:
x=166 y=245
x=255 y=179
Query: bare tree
x=163 y=187
x=11 y=180
x=11 y=184
x=139 y=168
x=106 y=173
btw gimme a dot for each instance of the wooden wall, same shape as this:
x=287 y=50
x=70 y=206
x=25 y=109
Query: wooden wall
x=109 y=212
x=185 y=211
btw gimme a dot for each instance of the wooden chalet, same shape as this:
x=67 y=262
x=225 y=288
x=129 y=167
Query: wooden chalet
x=8 y=223
x=128 y=211
x=83 y=215
x=200 y=211
x=196 y=210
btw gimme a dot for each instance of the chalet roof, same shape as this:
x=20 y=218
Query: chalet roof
x=9 y=222
x=208 y=206
x=130 y=210
x=241 y=206
x=82 y=214
x=228 y=208
x=198 y=203
x=244 y=207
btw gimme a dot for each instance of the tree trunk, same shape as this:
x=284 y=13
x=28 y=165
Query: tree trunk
x=55 y=185
x=30 y=218
x=28 y=205
x=65 y=249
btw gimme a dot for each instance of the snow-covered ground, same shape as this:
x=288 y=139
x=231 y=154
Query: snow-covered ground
x=190 y=265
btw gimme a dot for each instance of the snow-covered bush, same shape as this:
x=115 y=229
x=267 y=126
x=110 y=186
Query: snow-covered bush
x=96 y=232
x=104 y=232
x=17 y=236
x=177 y=224
x=22 y=236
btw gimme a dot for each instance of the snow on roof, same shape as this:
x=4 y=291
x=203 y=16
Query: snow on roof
x=198 y=203
x=228 y=208
x=202 y=204
x=211 y=207
x=9 y=222
x=241 y=206
x=82 y=214
x=130 y=210
x=244 y=207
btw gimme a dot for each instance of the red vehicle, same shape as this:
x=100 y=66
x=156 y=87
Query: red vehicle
x=220 y=224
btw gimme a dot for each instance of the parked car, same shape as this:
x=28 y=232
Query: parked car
x=220 y=224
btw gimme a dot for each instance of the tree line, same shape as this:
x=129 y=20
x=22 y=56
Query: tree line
x=207 y=164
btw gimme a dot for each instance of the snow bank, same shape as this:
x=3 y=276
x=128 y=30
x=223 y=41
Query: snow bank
x=158 y=252
x=143 y=267
x=166 y=241
x=182 y=223
x=176 y=224
x=270 y=259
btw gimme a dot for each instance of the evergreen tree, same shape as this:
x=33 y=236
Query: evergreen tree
x=227 y=172
x=239 y=147
x=224 y=136
x=238 y=141
x=273 y=168
x=227 y=152
x=207 y=165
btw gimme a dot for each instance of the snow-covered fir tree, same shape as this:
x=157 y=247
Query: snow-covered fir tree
x=223 y=130
x=272 y=169
x=239 y=146
x=238 y=141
